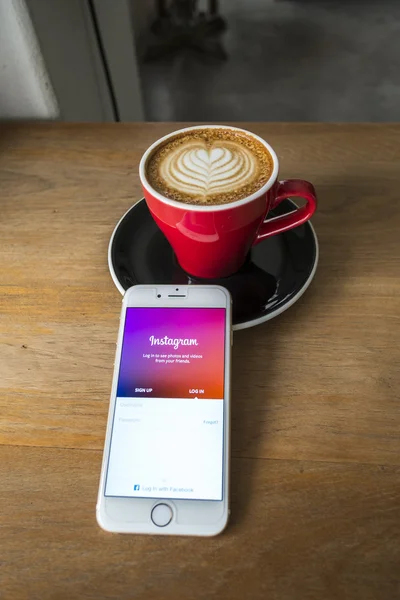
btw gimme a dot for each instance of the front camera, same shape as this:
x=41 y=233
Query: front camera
x=158 y=295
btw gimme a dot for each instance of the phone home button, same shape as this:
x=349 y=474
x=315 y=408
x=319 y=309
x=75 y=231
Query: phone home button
x=161 y=515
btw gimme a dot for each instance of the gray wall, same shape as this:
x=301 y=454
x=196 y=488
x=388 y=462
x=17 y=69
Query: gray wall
x=25 y=87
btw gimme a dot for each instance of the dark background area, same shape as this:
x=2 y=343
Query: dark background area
x=287 y=60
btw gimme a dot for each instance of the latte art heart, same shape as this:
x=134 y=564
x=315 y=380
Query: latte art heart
x=209 y=166
x=195 y=169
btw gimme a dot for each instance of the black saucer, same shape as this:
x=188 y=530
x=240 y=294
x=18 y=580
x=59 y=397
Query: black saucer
x=277 y=272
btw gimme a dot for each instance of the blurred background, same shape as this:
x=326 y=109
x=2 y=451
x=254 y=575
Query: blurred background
x=200 y=60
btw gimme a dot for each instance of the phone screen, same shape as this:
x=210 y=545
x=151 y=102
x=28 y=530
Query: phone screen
x=167 y=436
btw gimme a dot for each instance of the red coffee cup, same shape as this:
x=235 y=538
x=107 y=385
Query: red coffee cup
x=213 y=241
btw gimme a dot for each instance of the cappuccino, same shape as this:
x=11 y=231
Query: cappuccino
x=209 y=166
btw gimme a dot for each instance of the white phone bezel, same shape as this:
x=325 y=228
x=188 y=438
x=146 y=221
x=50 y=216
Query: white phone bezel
x=195 y=517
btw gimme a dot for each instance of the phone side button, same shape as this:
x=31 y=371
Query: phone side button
x=161 y=515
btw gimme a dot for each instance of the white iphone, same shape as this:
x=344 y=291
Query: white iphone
x=166 y=457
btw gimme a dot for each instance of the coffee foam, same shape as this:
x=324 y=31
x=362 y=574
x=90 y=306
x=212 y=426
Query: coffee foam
x=209 y=166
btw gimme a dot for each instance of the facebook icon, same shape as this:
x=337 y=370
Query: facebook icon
x=136 y=487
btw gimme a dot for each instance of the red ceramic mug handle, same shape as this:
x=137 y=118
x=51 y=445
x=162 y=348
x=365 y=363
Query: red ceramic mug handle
x=290 y=188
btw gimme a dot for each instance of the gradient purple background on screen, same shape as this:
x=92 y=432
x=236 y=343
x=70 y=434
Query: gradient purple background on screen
x=207 y=325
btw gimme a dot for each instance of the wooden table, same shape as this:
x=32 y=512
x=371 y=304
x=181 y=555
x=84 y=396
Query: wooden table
x=316 y=407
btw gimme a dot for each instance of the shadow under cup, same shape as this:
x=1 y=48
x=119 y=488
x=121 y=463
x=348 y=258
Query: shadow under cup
x=213 y=241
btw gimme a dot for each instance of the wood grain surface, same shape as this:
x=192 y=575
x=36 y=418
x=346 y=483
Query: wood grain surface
x=316 y=406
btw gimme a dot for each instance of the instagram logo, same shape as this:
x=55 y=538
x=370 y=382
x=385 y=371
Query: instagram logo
x=168 y=351
x=167 y=341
